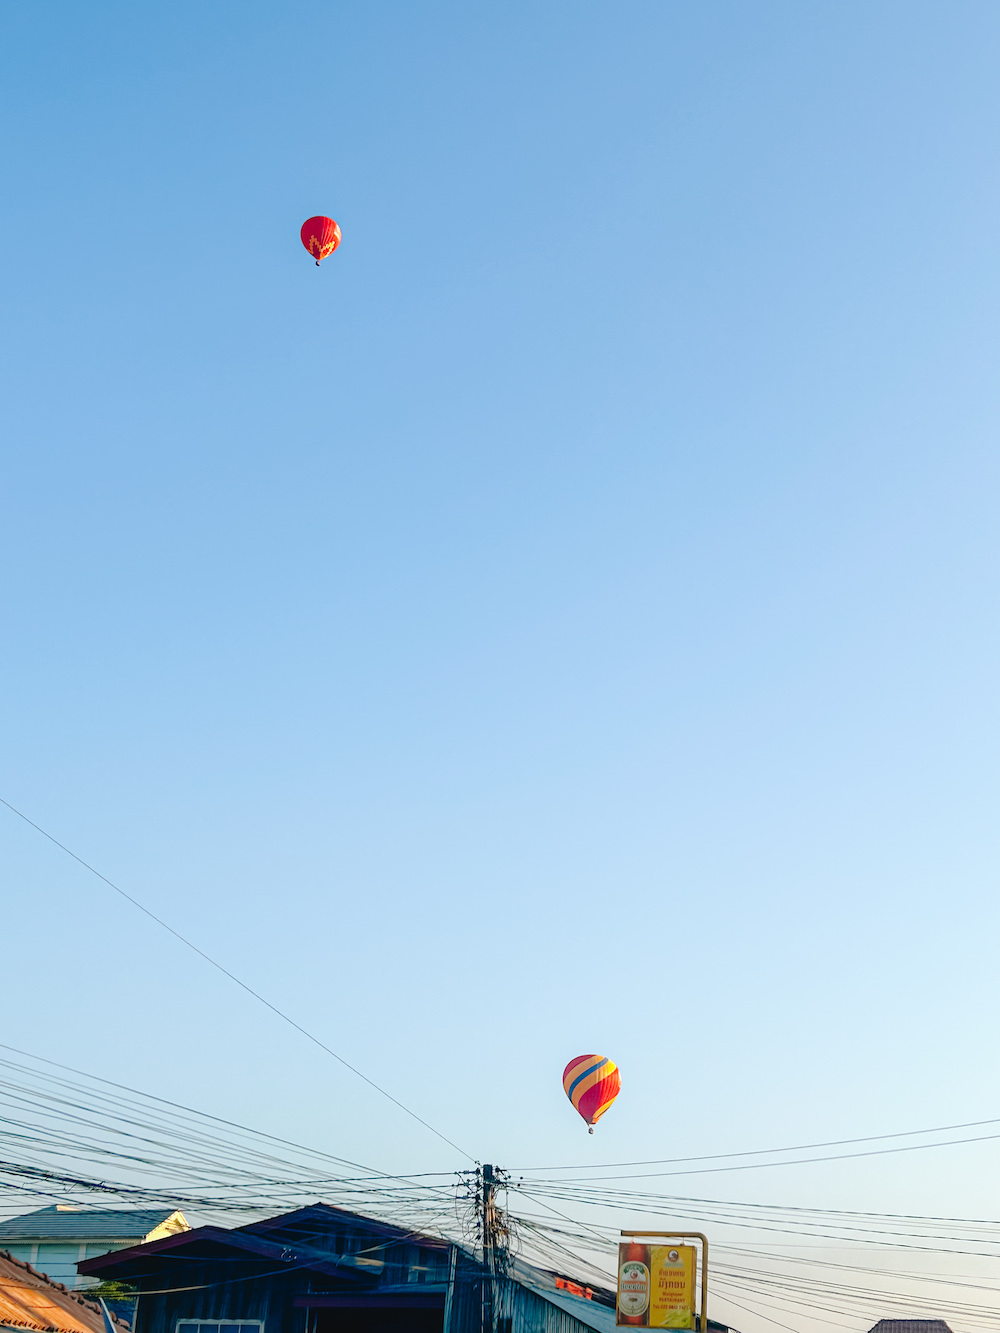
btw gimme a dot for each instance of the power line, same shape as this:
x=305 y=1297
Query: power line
x=179 y=1106
x=63 y=1133
x=894 y=1273
x=628 y=1196
x=232 y=977
x=815 y=1224
x=796 y=1161
x=767 y=1319
x=764 y=1152
x=811 y=1213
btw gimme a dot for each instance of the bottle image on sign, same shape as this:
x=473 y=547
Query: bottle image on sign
x=633 y=1284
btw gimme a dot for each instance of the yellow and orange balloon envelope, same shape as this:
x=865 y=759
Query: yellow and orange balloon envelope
x=320 y=236
x=592 y=1083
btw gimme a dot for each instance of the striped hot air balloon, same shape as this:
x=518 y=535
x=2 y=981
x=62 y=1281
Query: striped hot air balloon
x=592 y=1082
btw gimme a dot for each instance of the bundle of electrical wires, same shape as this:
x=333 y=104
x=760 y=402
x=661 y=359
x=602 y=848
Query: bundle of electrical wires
x=68 y=1137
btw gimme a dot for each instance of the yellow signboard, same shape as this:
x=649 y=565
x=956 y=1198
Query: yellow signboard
x=656 y=1286
x=671 y=1288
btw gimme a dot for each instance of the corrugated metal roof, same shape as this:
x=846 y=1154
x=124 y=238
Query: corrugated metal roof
x=62 y=1223
x=29 y=1300
x=601 y=1318
x=911 y=1326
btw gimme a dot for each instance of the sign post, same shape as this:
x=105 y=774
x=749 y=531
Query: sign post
x=657 y=1281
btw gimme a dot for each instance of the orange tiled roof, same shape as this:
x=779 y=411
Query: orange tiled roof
x=29 y=1300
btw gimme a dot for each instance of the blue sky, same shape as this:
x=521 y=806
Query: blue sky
x=565 y=621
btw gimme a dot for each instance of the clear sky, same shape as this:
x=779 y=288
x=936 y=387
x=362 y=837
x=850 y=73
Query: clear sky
x=565 y=621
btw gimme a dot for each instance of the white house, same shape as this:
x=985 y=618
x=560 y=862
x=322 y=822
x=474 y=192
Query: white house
x=54 y=1240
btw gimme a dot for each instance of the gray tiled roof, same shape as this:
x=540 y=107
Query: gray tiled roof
x=60 y=1223
x=911 y=1326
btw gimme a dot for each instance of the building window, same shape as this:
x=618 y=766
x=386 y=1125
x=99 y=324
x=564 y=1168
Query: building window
x=220 y=1326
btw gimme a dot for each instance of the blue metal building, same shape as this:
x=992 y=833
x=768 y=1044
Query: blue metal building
x=325 y=1270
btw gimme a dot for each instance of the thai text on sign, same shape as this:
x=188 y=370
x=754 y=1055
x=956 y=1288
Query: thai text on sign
x=656 y=1286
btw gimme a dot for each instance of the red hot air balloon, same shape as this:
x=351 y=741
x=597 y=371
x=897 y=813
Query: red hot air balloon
x=320 y=236
x=592 y=1083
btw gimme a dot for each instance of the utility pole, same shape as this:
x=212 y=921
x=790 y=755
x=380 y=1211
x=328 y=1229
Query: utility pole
x=489 y=1248
x=493 y=1231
